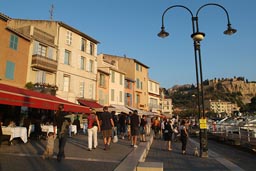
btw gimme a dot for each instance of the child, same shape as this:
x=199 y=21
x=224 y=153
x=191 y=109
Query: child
x=50 y=145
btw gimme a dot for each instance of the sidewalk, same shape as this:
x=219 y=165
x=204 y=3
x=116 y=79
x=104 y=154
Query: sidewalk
x=121 y=157
x=175 y=161
x=28 y=156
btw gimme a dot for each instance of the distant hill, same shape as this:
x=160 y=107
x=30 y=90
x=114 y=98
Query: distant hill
x=235 y=90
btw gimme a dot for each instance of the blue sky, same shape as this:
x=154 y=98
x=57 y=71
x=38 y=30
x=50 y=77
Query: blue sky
x=130 y=27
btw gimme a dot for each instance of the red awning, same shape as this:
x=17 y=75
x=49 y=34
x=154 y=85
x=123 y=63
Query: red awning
x=14 y=96
x=90 y=103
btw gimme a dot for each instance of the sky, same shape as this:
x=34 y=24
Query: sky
x=130 y=27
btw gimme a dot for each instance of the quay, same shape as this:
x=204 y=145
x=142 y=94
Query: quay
x=120 y=157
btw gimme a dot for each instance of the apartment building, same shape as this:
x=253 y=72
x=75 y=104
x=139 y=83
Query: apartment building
x=74 y=52
x=165 y=104
x=102 y=95
x=154 y=96
x=129 y=92
x=14 y=52
x=137 y=71
x=219 y=106
x=116 y=84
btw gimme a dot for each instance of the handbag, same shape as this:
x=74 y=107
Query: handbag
x=115 y=139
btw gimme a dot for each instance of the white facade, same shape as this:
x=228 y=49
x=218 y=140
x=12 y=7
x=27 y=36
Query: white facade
x=77 y=66
x=153 y=96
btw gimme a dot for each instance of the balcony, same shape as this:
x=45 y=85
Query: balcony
x=44 y=63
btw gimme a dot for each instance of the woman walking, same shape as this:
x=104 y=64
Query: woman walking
x=167 y=133
x=93 y=128
x=183 y=136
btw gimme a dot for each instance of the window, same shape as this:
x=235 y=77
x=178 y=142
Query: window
x=138 y=67
x=82 y=63
x=69 y=38
x=66 y=83
x=9 y=71
x=121 y=79
x=14 y=42
x=81 y=89
x=91 y=48
x=91 y=91
x=151 y=86
x=112 y=95
x=41 y=76
x=128 y=99
x=113 y=76
x=50 y=52
x=90 y=65
x=83 y=45
x=120 y=96
x=128 y=84
x=102 y=80
x=137 y=98
x=41 y=50
x=137 y=83
x=67 y=57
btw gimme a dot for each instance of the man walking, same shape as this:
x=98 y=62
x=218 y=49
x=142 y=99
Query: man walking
x=107 y=124
x=61 y=124
x=135 y=122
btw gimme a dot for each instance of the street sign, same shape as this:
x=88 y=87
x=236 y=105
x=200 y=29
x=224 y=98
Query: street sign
x=203 y=123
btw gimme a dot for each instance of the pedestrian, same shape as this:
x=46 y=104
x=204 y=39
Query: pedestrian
x=143 y=123
x=48 y=153
x=135 y=122
x=156 y=126
x=128 y=125
x=107 y=124
x=115 y=120
x=85 y=125
x=61 y=124
x=93 y=128
x=148 y=126
x=183 y=136
x=77 y=123
x=167 y=133
x=122 y=123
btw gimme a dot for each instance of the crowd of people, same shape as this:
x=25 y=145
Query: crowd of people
x=112 y=126
x=131 y=126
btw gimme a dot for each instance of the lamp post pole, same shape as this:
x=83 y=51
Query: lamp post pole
x=197 y=38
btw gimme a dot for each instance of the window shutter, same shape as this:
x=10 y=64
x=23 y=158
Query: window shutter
x=36 y=45
x=50 y=52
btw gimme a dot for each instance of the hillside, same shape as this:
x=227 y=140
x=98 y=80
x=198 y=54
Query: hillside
x=235 y=90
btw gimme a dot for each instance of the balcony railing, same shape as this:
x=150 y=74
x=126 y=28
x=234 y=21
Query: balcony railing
x=44 y=63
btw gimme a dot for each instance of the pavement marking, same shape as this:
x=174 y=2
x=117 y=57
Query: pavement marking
x=228 y=164
x=66 y=158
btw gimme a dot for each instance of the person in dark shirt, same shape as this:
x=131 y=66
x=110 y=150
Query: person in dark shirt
x=61 y=124
x=135 y=122
x=107 y=124
x=77 y=123
x=143 y=123
x=122 y=123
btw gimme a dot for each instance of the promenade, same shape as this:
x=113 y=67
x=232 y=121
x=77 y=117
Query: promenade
x=121 y=157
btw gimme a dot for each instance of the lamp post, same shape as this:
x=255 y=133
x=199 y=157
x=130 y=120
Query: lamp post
x=197 y=37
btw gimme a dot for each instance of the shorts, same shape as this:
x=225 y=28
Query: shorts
x=135 y=131
x=107 y=133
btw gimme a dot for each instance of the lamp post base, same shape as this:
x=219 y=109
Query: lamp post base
x=203 y=143
x=204 y=154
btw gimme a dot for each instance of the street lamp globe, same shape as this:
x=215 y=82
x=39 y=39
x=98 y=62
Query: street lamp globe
x=163 y=33
x=198 y=36
x=230 y=30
